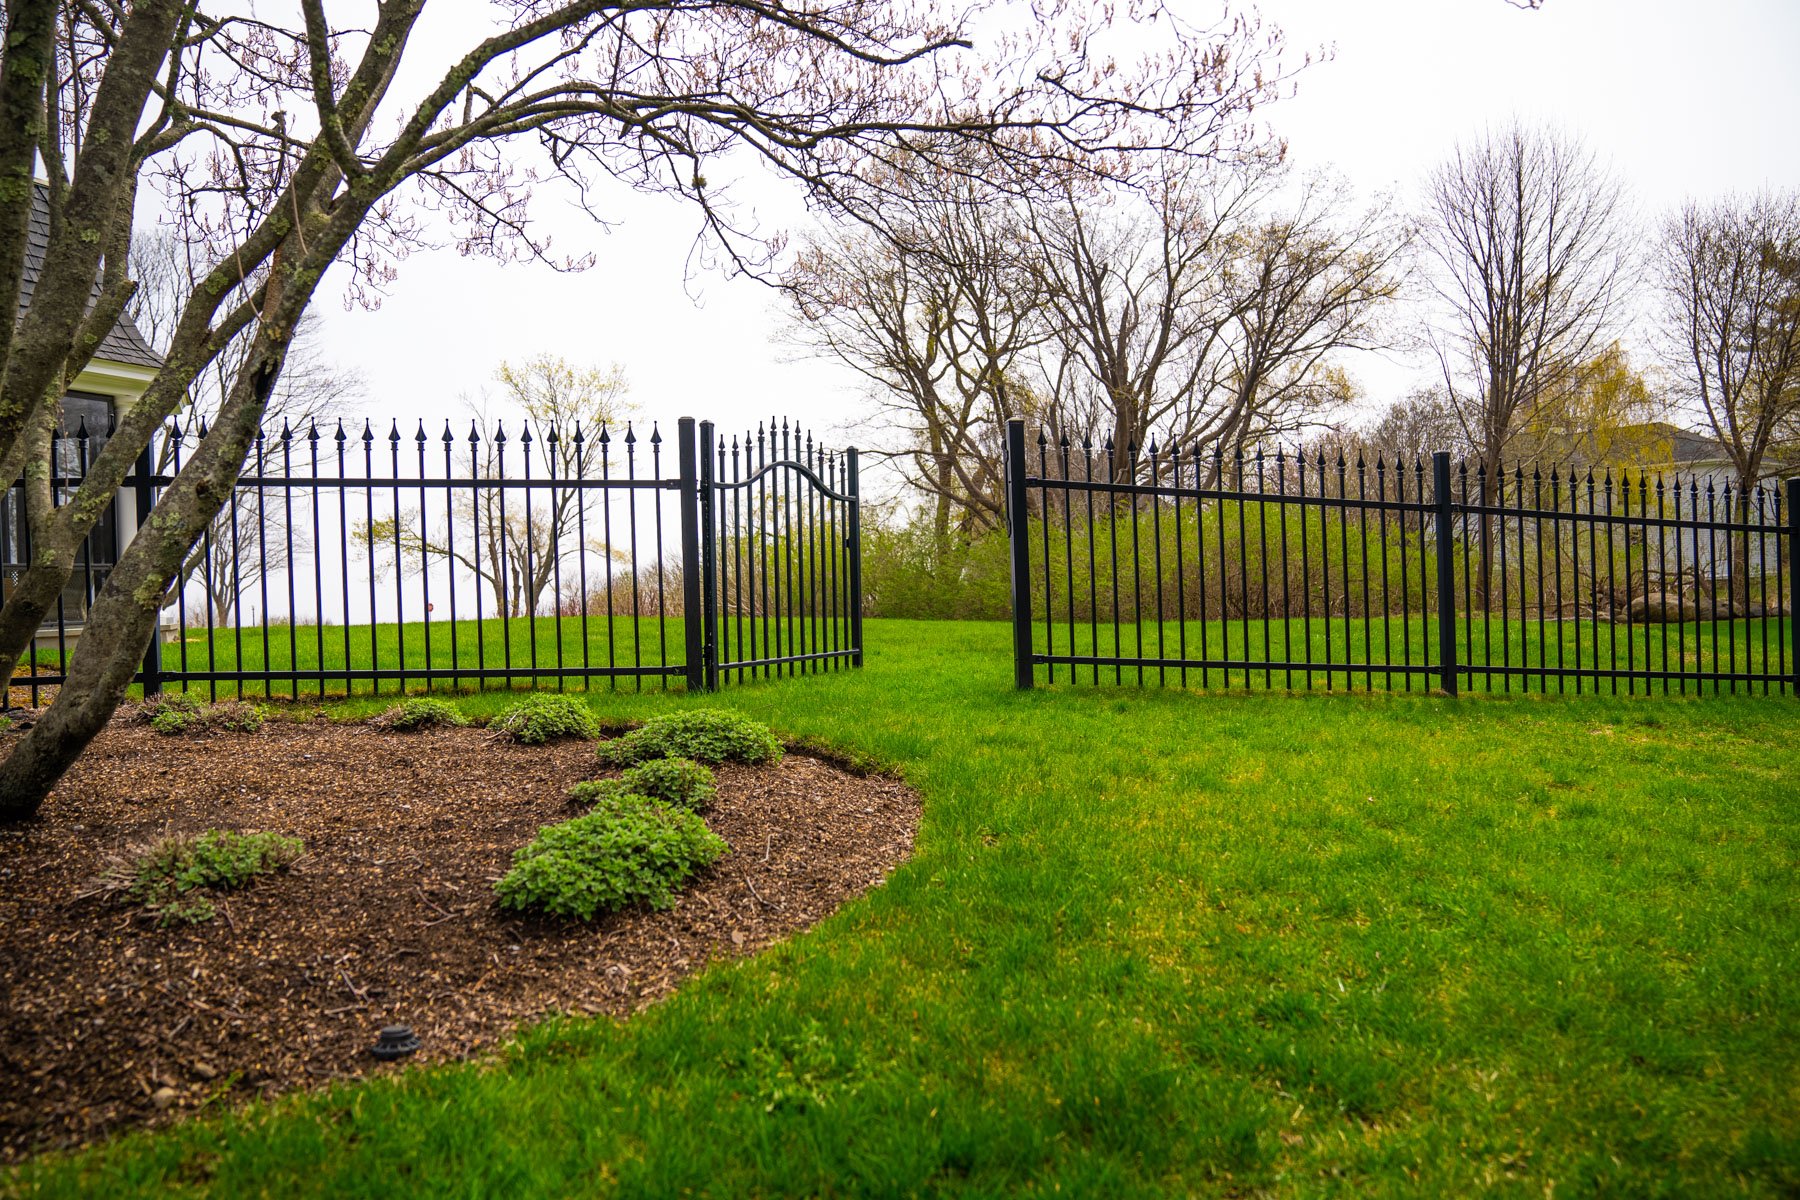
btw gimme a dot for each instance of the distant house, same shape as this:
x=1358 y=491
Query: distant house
x=112 y=382
x=1665 y=449
x=1701 y=468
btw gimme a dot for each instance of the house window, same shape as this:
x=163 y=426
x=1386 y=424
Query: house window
x=73 y=455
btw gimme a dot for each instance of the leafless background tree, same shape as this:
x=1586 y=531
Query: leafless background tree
x=936 y=311
x=1206 y=305
x=570 y=422
x=251 y=537
x=1728 y=277
x=1728 y=274
x=1525 y=236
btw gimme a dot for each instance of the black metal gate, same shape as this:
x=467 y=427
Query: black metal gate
x=778 y=528
x=355 y=561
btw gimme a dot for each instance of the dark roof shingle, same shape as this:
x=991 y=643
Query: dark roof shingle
x=122 y=343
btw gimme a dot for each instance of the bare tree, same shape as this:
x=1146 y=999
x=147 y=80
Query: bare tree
x=563 y=418
x=1408 y=431
x=250 y=537
x=1300 y=287
x=936 y=312
x=1132 y=280
x=1729 y=278
x=260 y=135
x=1524 y=232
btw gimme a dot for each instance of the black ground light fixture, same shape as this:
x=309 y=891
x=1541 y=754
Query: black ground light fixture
x=395 y=1041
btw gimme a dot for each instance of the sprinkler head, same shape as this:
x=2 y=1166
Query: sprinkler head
x=395 y=1041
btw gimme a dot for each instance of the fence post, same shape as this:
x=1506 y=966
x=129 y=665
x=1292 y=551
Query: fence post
x=1018 y=540
x=693 y=625
x=709 y=560
x=146 y=496
x=1446 y=574
x=853 y=543
x=1793 y=518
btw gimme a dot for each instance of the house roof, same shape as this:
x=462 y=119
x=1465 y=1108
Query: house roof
x=122 y=343
x=1685 y=445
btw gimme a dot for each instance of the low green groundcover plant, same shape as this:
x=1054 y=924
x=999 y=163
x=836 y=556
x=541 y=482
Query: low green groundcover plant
x=171 y=712
x=546 y=717
x=421 y=712
x=629 y=850
x=678 y=781
x=593 y=792
x=172 y=876
x=182 y=712
x=236 y=716
x=706 y=735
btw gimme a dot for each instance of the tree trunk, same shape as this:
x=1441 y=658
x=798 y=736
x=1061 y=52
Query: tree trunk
x=28 y=63
x=1484 y=533
x=1740 y=552
x=54 y=552
x=125 y=614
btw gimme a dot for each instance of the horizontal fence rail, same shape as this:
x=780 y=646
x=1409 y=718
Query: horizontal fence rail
x=355 y=560
x=1284 y=570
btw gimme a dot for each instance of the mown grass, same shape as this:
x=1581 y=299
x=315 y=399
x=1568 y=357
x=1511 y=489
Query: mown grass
x=1342 y=652
x=1160 y=943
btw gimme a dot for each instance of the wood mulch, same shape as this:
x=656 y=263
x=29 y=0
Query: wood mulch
x=107 y=1021
x=20 y=695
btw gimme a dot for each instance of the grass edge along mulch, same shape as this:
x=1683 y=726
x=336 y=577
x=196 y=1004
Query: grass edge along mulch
x=1156 y=943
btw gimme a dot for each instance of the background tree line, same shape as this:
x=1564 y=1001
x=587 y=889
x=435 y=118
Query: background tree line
x=1213 y=308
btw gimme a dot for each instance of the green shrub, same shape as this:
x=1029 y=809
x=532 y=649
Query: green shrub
x=171 y=877
x=181 y=712
x=237 y=716
x=422 y=712
x=175 y=709
x=172 y=721
x=592 y=792
x=706 y=735
x=545 y=717
x=678 y=781
x=627 y=851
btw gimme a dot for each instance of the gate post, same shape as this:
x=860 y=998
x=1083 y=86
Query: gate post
x=1446 y=574
x=1018 y=540
x=694 y=635
x=853 y=489
x=1793 y=533
x=709 y=563
x=146 y=493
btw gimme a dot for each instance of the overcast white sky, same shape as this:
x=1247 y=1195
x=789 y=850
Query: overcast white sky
x=1685 y=97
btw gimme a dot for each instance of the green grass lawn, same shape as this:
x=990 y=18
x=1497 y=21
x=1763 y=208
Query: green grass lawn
x=1163 y=943
x=539 y=648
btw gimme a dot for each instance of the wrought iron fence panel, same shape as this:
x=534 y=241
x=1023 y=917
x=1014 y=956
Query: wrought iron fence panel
x=1285 y=569
x=356 y=560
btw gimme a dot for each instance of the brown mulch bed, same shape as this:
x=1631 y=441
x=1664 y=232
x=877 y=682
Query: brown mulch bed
x=19 y=694
x=107 y=1021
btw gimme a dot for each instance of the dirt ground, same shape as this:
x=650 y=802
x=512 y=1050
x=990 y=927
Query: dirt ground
x=107 y=1021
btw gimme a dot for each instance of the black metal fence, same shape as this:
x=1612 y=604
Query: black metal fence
x=1280 y=570
x=353 y=560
